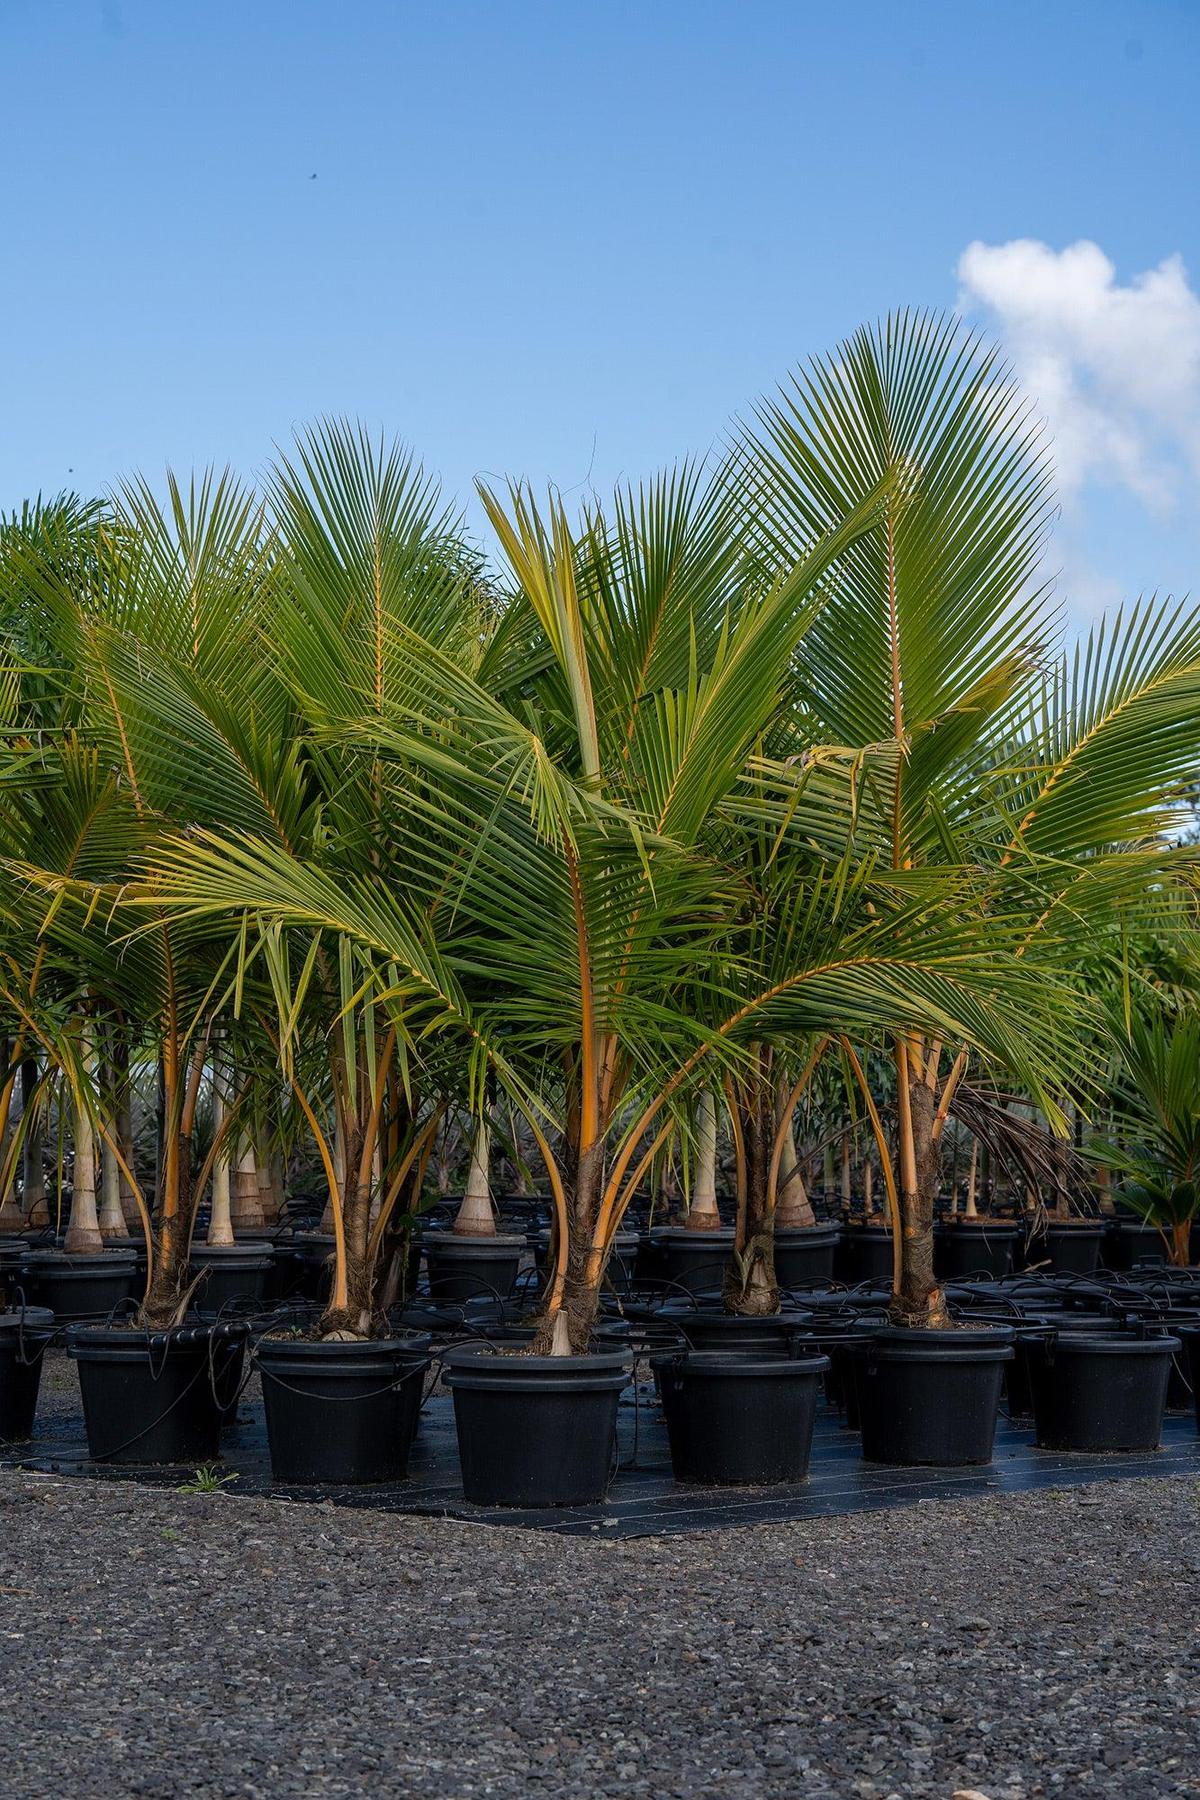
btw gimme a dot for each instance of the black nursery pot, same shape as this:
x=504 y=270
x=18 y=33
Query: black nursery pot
x=234 y=1277
x=709 y=1327
x=1189 y=1337
x=342 y=1413
x=78 y=1289
x=312 y=1258
x=739 y=1420
x=693 y=1262
x=535 y=1430
x=1128 y=1242
x=151 y=1396
x=463 y=1268
x=804 y=1256
x=982 y=1248
x=1069 y=1249
x=1098 y=1391
x=931 y=1397
x=868 y=1254
x=23 y=1339
x=619 y=1271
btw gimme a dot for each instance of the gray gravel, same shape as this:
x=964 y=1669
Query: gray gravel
x=156 y=1643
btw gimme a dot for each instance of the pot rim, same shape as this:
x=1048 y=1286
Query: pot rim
x=404 y=1342
x=502 y=1241
x=192 y=1335
x=750 y=1364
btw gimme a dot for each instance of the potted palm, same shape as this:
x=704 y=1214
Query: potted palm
x=549 y=903
x=980 y=752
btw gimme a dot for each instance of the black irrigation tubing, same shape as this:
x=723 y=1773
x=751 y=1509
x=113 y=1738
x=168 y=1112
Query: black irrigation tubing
x=46 y=1334
x=154 y=1423
x=390 y=1387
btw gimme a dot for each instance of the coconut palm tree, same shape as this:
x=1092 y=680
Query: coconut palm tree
x=1047 y=781
x=1153 y=1115
x=540 y=898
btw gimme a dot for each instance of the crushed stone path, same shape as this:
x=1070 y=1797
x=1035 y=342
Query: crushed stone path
x=157 y=1643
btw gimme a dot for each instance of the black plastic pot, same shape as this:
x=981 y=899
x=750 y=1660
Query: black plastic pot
x=23 y=1339
x=868 y=1254
x=739 y=1420
x=1128 y=1242
x=234 y=1277
x=151 y=1396
x=78 y=1289
x=621 y=1262
x=931 y=1397
x=693 y=1262
x=1189 y=1337
x=535 y=1430
x=967 y=1248
x=1018 y=1380
x=284 y=1277
x=804 y=1257
x=708 y=1327
x=342 y=1413
x=840 y=1339
x=1069 y=1249
x=649 y=1261
x=461 y=1268
x=312 y=1258
x=13 y=1251
x=1099 y=1392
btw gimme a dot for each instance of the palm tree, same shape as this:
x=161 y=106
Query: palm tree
x=1046 y=782
x=540 y=899
x=1153 y=1143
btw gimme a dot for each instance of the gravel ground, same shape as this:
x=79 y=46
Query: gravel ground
x=157 y=1643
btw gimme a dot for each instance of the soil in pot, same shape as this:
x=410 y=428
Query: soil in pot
x=1099 y=1391
x=739 y=1420
x=23 y=1338
x=535 y=1430
x=465 y=1268
x=342 y=1412
x=931 y=1397
x=77 y=1289
x=152 y=1396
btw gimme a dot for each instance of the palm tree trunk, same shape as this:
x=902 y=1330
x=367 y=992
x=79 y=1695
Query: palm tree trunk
x=703 y=1213
x=793 y=1208
x=33 y=1174
x=750 y=1287
x=245 y=1209
x=10 y=1213
x=220 y=1223
x=83 y=1233
x=920 y=1300
x=475 y=1217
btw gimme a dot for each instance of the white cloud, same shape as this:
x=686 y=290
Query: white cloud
x=1115 y=370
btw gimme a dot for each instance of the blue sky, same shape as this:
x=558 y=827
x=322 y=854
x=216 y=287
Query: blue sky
x=569 y=240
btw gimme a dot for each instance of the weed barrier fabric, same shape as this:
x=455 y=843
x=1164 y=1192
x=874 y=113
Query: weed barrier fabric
x=643 y=1499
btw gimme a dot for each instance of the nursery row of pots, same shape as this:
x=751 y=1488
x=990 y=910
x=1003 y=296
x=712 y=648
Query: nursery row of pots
x=1094 y=1363
x=670 y=1259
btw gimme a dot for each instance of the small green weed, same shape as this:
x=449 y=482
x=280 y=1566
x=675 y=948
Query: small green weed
x=206 y=1480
